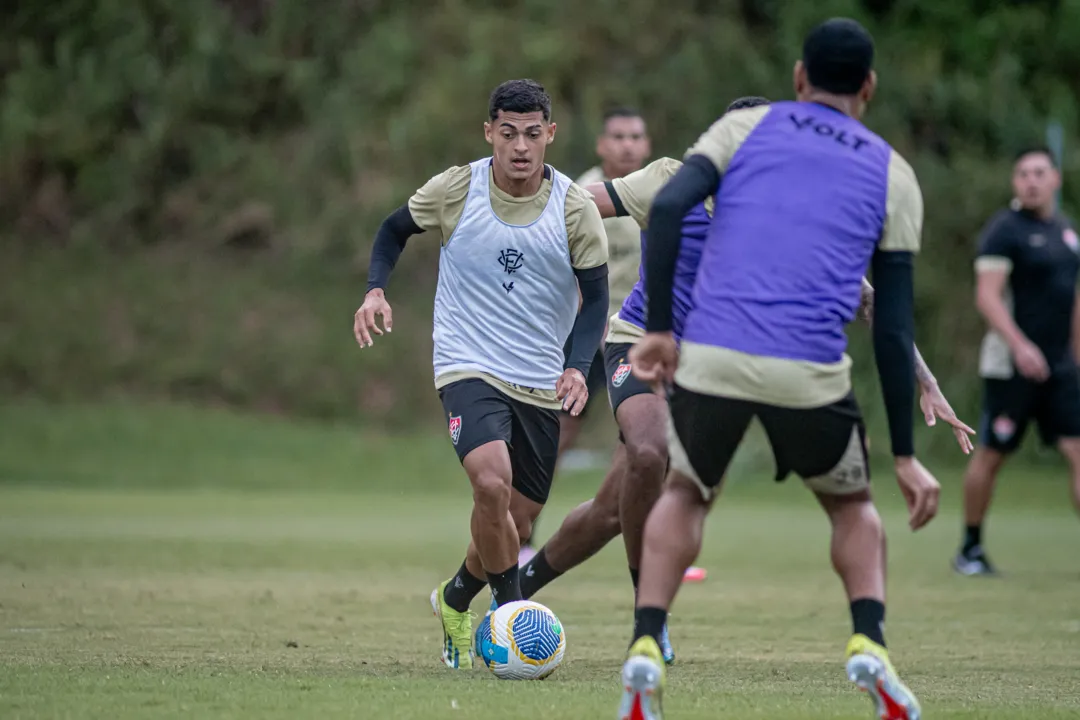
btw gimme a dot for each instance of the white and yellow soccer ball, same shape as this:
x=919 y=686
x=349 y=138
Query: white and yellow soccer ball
x=521 y=640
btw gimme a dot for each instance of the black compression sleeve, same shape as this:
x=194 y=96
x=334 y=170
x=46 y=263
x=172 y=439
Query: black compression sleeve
x=389 y=242
x=696 y=180
x=589 y=327
x=894 y=338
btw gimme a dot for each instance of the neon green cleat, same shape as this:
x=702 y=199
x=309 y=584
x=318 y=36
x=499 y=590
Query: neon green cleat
x=457 y=649
x=643 y=681
x=868 y=666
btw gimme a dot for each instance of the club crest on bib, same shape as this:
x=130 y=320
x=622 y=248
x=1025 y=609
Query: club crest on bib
x=621 y=373
x=455 y=428
x=1004 y=428
x=1071 y=239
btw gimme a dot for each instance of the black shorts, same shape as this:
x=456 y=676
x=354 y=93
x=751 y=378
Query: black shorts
x=622 y=384
x=477 y=413
x=1008 y=406
x=825 y=446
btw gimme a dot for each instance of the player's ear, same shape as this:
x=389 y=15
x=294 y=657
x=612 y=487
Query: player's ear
x=487 y=133
x=869 y=87
x=551 y=133
x=798 y=78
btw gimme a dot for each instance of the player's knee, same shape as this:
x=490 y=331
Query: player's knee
x=647 y=461
x=491 y=492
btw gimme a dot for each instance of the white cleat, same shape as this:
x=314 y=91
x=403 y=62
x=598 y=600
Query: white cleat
x=892 y=699
x=642 y=683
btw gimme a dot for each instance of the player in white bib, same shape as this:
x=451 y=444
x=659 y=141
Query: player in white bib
x=519 y=240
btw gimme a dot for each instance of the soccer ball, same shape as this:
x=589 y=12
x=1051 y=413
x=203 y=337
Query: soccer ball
x=521 y=640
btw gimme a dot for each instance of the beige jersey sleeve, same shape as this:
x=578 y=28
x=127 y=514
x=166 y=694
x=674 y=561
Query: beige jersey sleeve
x=903 y=208
x=721 y=141
x=637 y=190
x=585 y=230
x=437 y=206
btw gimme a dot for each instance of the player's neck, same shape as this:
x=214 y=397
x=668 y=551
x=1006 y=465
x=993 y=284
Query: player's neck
x=518 y=188
x=844 y=103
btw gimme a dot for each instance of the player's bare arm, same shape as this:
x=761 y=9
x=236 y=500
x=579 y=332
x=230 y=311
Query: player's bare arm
x=603 y=200
x=931 y=400
x=989 y=300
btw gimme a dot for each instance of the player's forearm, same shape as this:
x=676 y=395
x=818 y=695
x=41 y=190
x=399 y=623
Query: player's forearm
x=389 y=242
x=588 y=329
x=894 y=347
x=866 y=312
x=696 y=180
x=923 y=375
x=997 y=316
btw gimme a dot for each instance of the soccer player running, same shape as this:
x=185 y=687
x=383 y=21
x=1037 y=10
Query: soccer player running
x=806 y=199
x=1026 y=273
x=518 y=241
x=588 y=528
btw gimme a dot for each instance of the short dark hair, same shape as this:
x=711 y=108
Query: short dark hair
x=621 y=111
x=1035 y=150
x=519 y=96
x=748 y=101
x=838 y=55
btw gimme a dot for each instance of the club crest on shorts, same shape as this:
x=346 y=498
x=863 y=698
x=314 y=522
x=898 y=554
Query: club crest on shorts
x=1071 y=239
x=1003 y=428
x=621 y=373
x=455 y=428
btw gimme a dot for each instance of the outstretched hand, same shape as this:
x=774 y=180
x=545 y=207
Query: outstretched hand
x=934 y=406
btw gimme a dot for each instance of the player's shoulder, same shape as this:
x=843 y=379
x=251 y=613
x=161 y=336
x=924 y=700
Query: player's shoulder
x=1004 y=220
x=741 y=121
x=663 y=167
x=902 y=177
x=594 y=174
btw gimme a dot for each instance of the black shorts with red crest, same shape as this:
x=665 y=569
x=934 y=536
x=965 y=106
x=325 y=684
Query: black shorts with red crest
x=478 y=413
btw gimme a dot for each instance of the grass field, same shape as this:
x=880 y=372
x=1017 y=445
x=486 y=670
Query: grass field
x=167 y=562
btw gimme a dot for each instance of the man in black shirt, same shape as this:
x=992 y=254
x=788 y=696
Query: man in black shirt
x=1027 y=268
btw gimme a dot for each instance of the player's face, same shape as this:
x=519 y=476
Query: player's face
x=623 y=146
x=1035 y=181
x=518 y=141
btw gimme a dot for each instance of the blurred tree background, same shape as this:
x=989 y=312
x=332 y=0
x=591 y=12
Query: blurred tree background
x=189 y=190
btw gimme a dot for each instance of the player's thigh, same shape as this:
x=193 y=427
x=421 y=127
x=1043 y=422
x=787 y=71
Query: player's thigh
x=825 y=446
x=704 y=431
x=623 y=386
x=1058 y=411
x=476 y=415
x=1007 y=408
x=642 y=420
x=534 y=450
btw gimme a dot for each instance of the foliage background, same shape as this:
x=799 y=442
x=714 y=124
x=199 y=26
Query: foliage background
x=188 y=191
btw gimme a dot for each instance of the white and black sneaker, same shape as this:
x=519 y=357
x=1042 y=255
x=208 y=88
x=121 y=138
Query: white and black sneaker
x=973 y=561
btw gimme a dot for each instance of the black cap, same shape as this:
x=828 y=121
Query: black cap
x=838 y=55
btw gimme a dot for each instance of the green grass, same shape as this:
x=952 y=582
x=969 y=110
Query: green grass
x=169 y=562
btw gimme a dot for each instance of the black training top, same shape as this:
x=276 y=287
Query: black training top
x=1041 y=257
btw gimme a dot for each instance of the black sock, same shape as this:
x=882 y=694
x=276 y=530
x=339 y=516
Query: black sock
x=536 y=574
x=635 y=575
x=972 y=537
x=649 y=621
x=504 y=585
x=462 y=588
x=868 y=618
